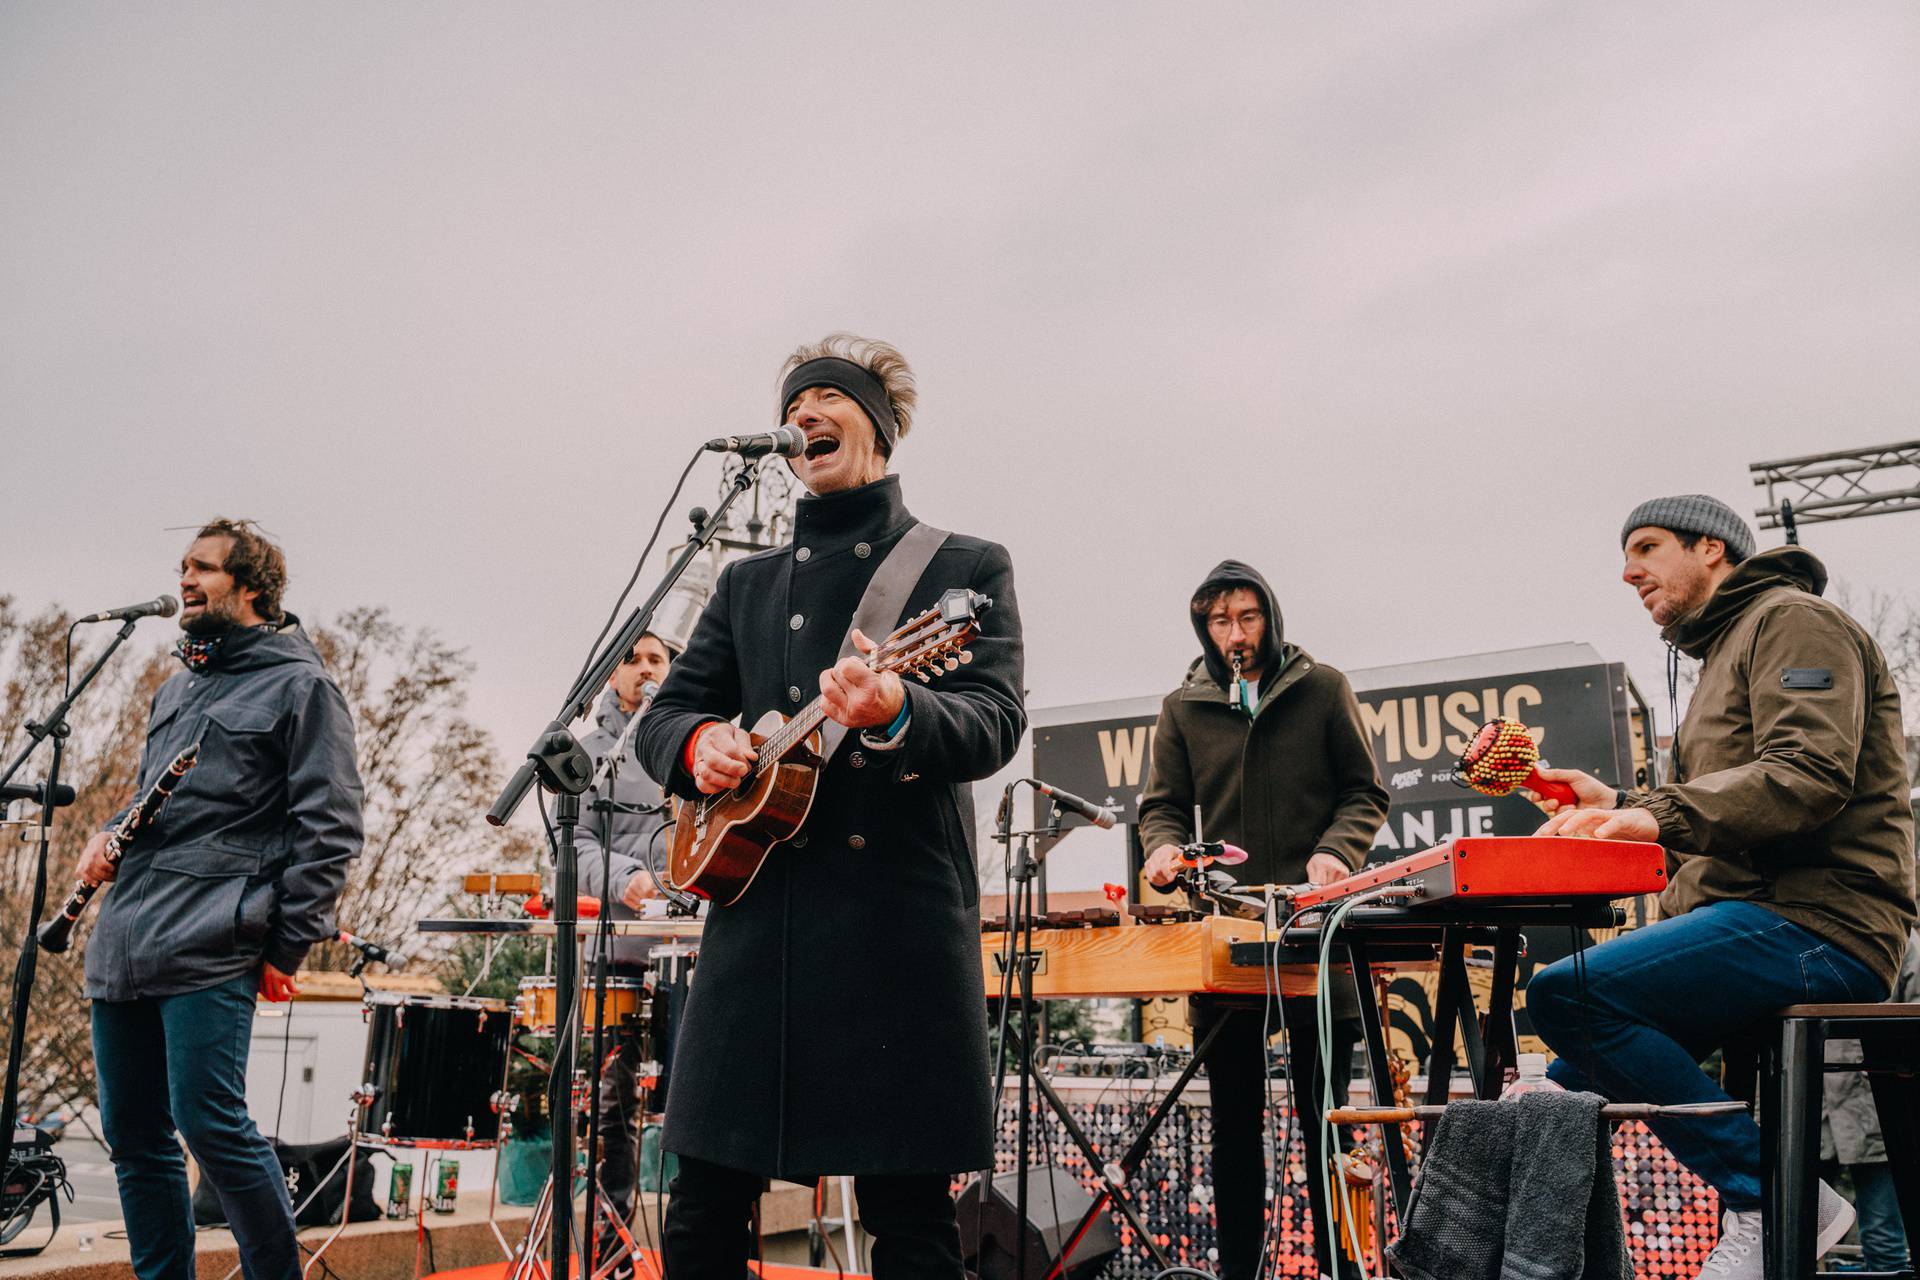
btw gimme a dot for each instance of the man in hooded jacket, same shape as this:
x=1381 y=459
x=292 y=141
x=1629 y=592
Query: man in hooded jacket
x=216 y=901
x=1789 y=847
x=1269 y=744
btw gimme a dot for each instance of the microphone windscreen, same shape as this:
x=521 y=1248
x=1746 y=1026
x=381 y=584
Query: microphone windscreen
x=168 y=607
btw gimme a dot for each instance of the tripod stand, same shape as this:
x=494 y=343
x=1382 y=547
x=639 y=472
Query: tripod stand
x=558 y=763
x=526 y=1262
x=1113 y=1175
x=50 y=794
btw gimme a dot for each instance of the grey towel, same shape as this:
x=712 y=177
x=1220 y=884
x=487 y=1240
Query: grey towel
x=1519 y=1190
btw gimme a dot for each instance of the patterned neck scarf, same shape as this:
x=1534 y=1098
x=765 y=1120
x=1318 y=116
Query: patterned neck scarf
x=197 y=653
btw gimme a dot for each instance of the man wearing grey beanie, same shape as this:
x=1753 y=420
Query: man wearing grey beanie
x=1789 y=848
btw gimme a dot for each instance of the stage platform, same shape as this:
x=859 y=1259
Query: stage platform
x=458 y=1244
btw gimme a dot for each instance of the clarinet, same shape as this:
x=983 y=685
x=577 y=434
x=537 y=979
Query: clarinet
x=57 y=933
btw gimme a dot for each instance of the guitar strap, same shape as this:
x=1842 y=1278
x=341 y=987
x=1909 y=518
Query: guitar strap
x=879 y=612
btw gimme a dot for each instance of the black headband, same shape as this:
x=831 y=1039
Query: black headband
x=845 y=375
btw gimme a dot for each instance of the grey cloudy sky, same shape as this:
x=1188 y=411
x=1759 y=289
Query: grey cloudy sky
x=1405 y=304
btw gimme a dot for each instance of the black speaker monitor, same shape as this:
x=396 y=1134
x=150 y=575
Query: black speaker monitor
x=1055 y=1203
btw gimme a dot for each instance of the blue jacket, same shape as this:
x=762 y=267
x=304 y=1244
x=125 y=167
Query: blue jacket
x=247 y=858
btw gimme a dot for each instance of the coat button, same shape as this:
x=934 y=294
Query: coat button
x=793 y=693
x=799 y=841
x=856 y=842
x=863 y=549
x=803 y=554
x=796 y=622
x=857 y=760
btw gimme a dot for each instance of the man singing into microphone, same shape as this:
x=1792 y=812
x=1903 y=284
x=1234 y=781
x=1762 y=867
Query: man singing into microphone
x=218 y=902
x=618 y=872
x=836 y=1023
x=1269 y=745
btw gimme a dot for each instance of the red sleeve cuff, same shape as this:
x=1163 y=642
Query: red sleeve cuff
x=693 y=740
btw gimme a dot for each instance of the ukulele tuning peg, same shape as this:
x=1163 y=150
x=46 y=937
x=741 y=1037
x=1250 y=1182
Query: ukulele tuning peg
x=922 y=676
x=952 y=664
x=966 y=655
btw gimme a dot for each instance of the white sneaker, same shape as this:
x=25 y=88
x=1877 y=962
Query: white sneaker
x=1835 y=1216
x=1738 y=1252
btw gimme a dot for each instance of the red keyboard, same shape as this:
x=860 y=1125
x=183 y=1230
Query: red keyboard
x=1484 y=869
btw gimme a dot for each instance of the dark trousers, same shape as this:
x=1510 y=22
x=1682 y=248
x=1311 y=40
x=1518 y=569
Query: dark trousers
x=710 y=1235
x=181 y=1062
x=1237 y=1079
x=620 y=1124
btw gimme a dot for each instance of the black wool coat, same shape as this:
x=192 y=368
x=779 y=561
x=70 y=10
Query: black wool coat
x=837 y=1022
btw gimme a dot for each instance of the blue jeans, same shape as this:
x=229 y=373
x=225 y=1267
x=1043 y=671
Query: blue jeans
x=1660 y=999
x=1883 y=1234
x=182 y=1060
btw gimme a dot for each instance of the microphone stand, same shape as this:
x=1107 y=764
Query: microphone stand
x=554 y=760
x=54 y=726
x=1026 y=870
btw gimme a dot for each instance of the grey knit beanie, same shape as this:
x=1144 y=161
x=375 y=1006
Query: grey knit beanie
x=1694 y=513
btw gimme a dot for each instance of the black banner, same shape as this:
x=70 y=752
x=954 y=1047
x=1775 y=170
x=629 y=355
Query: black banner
x=1579 y=715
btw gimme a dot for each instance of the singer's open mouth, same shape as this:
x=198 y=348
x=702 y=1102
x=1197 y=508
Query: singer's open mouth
x=821 y=446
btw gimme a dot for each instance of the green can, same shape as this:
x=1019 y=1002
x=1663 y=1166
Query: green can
x=446 y=1186
x=400 y=1190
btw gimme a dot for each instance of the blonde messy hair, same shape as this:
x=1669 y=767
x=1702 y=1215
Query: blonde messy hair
x=881 y=359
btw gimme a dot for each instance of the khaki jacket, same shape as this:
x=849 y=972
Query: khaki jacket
x=1791 y=778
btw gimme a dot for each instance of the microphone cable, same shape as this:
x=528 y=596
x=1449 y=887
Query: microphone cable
x=593 y=650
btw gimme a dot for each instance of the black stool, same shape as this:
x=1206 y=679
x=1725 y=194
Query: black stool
x=1792 y=1066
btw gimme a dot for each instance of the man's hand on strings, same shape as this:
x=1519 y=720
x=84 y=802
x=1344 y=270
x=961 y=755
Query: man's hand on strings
x=722 y=758
x=856 y=695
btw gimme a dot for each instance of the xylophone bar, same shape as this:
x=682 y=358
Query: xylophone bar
x=530 y=928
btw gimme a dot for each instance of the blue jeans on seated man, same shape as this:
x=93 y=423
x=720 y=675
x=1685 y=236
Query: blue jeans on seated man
x=1658 y=1000
x=181 y=1061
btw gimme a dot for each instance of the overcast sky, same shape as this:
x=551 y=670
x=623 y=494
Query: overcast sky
x=1405 y=304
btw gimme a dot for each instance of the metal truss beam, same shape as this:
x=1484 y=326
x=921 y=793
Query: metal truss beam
x=1835 y=486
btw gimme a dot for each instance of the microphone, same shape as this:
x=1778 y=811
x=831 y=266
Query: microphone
x=788 y=442
x=1208 y=852
x=1099 y=815
x=371 y=950
x=648 y=692
x=158 y=607
x=36 y=792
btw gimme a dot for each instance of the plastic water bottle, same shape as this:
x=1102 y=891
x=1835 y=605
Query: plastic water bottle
x=1532 y=1077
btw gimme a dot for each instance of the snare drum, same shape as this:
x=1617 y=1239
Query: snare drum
x=627 y=1004
x=435 y=1065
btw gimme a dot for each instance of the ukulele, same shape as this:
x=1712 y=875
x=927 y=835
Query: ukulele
x=721 y=841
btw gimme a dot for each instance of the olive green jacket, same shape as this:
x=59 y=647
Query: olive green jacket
x=1791 y=777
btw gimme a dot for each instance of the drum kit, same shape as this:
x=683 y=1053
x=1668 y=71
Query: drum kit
x=435 y=1073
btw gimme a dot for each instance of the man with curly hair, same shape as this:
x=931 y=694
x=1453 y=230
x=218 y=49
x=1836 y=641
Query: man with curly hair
x=217 y=903
x=835 y=1024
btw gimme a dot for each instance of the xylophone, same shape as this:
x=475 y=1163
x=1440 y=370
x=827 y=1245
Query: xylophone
x=1182 y=957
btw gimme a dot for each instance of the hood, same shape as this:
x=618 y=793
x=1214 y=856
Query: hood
x=1233 y=573
x=608 y=714
x=252 y=648
x=1793 y=567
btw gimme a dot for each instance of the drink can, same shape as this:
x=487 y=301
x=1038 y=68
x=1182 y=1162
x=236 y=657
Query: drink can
x=400 y=1190
x=446 y=1186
